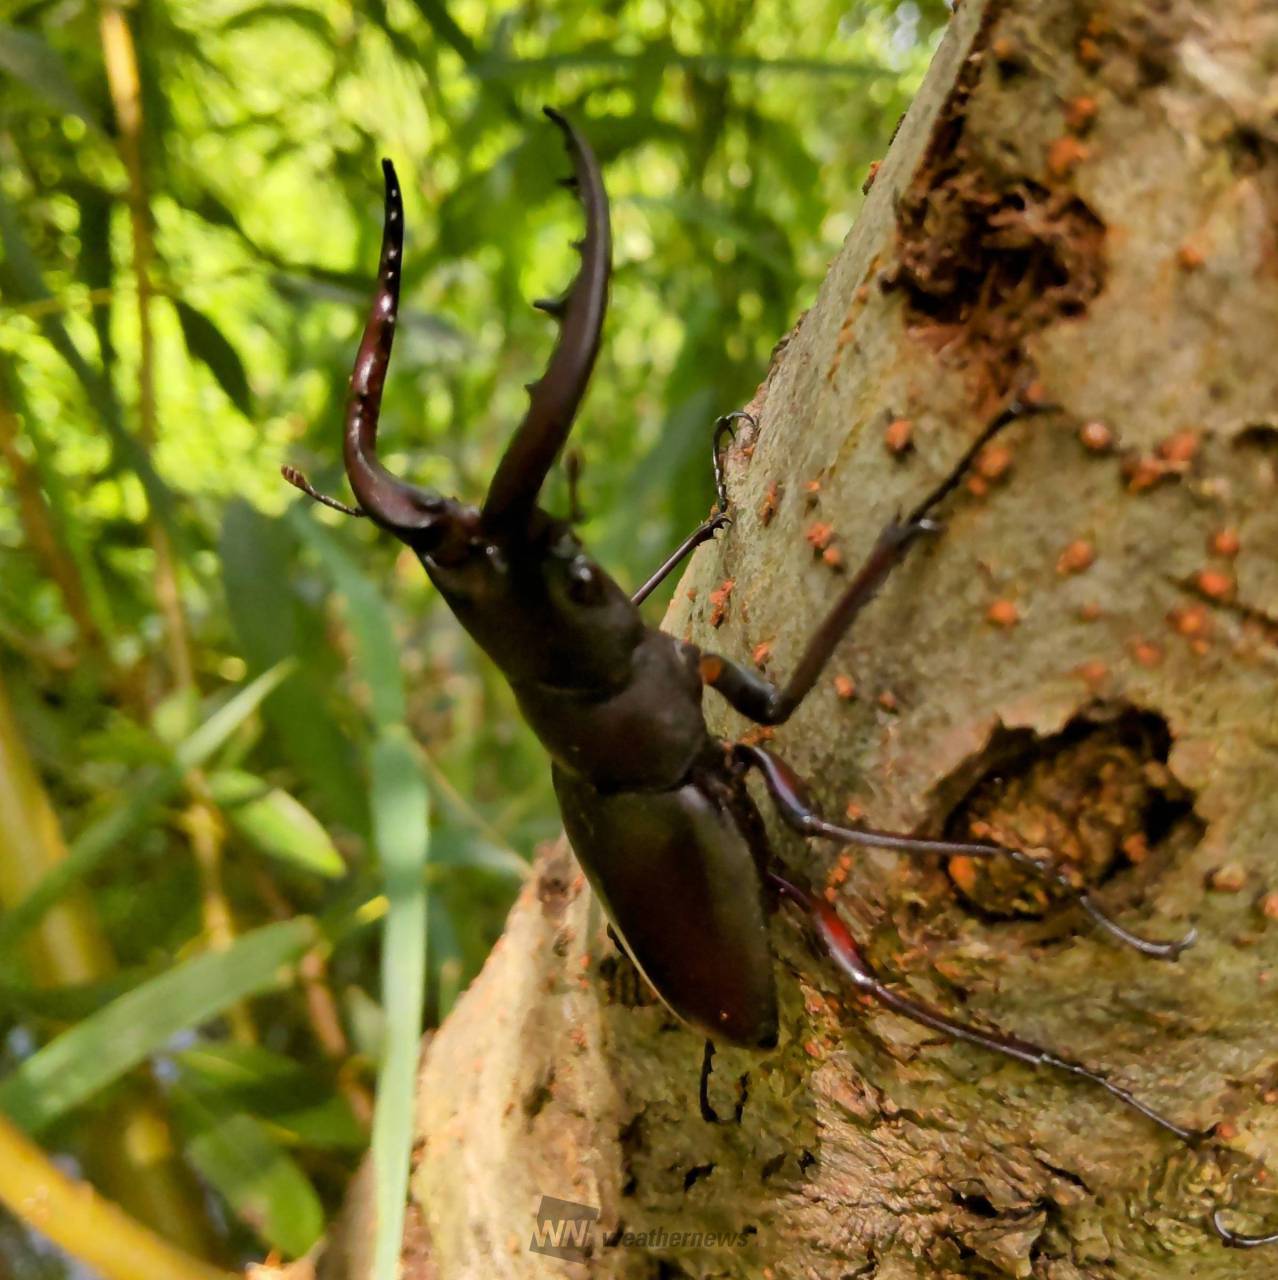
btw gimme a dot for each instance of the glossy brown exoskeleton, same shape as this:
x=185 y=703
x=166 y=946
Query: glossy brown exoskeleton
x=656 y=807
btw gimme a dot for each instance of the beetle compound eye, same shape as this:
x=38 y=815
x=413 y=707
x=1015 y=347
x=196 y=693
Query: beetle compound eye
x=585 y=585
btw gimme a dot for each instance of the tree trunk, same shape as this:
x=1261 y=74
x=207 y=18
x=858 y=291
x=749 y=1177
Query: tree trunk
x=1083 y=198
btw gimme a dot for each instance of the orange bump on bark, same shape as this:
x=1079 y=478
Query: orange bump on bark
x=1003 y=613
x=1230 y=878
x=833 y=557
x=1190 y=620
x=963 y=869
x=768 y=507
x=1136 y=847
x=812 y=486
x=719 y=602
x=762 y=652
x=887 y=700
x=1080 y=112
x=1180 y=448
x=977 y=487
x=1089 y=53
x=692 y=593
x=1096 y=436
x=1226 y=1130
x=1065 y=154
x=1079 y=555
x=993 y=462
x=1224 y=542
x=1147 y=653
x=1190 y=256
x=1005 y=49
x=1093 y=673
x=1269 y=909
x=1214 y=583
x=1144 y=473
x=875 y=165
x=845 y=687
x=853 y=812
x=1089 y=612
x=898 y=434
x=812 y=1049
x=820 y=535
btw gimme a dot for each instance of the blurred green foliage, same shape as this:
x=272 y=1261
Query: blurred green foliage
x=735 y=138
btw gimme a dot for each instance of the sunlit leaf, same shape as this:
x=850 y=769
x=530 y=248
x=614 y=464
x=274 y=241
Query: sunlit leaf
x=93 y=844
x=89 y=1056
x=275 y=823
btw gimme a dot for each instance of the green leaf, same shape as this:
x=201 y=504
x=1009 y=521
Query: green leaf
x=94 y=843
x=401 y=815
x=253 y=1173
x=271 y=623
x=206 y=342
x=26 y=57
x=91 y=1055
x=291 y=1098
x=366 y=615
x=275 y=823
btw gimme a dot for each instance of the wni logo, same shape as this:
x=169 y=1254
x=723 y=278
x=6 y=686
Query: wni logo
x=564 y=1229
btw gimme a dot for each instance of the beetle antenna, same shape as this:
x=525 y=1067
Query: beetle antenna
x=299 y=481
x=557 y=395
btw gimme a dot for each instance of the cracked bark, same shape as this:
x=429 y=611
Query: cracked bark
x=1086 y=197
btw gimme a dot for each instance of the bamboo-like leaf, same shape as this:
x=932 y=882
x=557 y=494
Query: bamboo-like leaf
x=91 y=1055
x=252 y=1172
x=207 y=343
x=366 y=615
x=26 y=57
x=401 y=814
x=96 y=841
x=275 y=823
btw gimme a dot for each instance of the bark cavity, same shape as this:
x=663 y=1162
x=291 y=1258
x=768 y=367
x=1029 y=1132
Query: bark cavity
x=985 y=258
x=1099 y=796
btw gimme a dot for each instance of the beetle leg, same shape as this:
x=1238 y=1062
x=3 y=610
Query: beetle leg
x=299 y=481
x=718 y=518
x=843 y=950
x=761 y=700
x=1235 y=1240
x=791 y=798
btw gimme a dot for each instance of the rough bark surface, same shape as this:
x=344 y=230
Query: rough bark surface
x=1085 y=197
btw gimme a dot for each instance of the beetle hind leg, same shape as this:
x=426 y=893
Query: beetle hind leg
x=841 y=947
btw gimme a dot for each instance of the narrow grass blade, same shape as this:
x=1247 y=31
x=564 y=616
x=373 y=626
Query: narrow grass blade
x=97 y=1051
x=96 y=841
x=401 y=812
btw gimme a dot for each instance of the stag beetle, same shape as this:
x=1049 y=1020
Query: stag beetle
x=648 y=796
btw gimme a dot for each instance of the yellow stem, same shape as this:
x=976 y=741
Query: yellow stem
x=203 y=823
x=87 y=1226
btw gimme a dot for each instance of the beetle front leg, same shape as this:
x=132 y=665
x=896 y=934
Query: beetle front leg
x=764 y=702
x=791 y=798
x=718 y=519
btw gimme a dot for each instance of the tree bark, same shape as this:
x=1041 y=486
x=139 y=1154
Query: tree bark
x=1083 y=198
